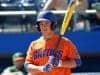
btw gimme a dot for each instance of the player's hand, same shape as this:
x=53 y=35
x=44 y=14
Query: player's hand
x=47 y=67
x=52 y=62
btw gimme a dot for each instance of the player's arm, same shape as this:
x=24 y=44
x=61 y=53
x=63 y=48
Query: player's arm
x=73 y=59
x=49 y=5
x=54 y=4
x=33 y=69
x=29 y=65
x=71 y=63
x=83 y=4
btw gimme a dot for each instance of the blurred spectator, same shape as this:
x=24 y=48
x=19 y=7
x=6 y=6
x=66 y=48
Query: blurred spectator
x=18 y=65
x=79 y=25
x=94 y=18
x=90 y=2
x=62 y=4
x=55 y=4
x=83 y=4
x=79 y=21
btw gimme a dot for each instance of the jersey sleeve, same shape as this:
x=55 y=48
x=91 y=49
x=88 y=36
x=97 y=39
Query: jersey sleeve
x=72 y=51
x=29 y=56
x=69 y=50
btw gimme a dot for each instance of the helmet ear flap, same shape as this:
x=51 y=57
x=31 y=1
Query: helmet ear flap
x=37 y=26
x=53 y=26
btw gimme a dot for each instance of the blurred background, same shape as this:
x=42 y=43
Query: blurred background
x=17 y=30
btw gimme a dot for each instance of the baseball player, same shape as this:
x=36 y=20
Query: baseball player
x=17 y=68
x=51 y=54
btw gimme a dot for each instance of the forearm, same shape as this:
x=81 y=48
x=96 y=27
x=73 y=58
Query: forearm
x=49 y=5
x=33 y=71
x=69 y=64
x=31 y=67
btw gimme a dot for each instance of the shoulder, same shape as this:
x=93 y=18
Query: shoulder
x=36 y=44
x=67 y=41
x=9 y=69
x=36 y=41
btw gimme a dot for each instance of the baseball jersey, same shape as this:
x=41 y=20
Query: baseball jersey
x=40 y=50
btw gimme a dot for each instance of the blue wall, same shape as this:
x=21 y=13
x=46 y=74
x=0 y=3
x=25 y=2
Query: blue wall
x=12 y=42
x=86 y=42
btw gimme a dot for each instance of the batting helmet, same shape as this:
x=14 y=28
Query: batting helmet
x=46 y=16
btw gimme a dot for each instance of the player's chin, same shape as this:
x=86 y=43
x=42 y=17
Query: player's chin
x=44 y=31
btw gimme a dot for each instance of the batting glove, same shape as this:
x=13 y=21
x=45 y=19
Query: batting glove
x=52 y=62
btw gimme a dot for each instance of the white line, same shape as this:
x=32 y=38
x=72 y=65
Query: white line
x=90 y=11
x=90 y=73
x=17 y=12
x=34 y=12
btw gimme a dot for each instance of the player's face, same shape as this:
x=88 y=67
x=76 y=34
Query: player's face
x=45 y=27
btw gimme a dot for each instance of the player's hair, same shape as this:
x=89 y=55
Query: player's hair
x=46 y=16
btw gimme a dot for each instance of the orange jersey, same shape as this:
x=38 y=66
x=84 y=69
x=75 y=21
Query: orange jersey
x=40 y=50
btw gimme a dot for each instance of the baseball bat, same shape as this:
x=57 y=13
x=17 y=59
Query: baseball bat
x=68 y=15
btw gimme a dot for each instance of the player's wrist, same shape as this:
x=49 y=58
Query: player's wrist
x=34 y=67
x=60 y=63
x=47 y=67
